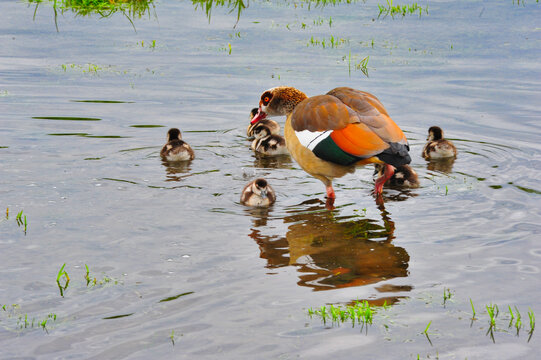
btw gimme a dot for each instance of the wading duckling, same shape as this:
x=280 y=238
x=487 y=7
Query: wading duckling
x=328 y=135
x=176 y=149
x=272 y=145
x=262 y=128
x=404 y=176
x=258 y=193
x=437 y=147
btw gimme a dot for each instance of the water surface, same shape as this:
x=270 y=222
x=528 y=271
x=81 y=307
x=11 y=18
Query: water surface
x=85 y=111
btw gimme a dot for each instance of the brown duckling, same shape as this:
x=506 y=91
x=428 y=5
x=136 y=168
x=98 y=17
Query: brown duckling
x=258 y=193
x=271 y=145
x=437 y=147
x=404 y=176
x=262 y=128
x=176 y=149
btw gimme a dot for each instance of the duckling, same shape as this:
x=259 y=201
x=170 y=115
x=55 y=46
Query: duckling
x=437 y=147
x=271 y=145
x=262 y=128
x=404 y=176
x=176 y=149
x=258 y=193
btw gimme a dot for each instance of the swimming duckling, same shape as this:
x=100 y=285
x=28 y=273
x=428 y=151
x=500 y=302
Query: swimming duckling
x=262 y=128
x=404 y=176
x=176 y=149
x=258 y=193
x=437 y=147
x=271 y=145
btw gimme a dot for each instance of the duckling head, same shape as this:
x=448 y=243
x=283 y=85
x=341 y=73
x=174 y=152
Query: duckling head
x=434 y=133
x=261 y=130
x=260 y=187
x=173 y=134
x=253 y=113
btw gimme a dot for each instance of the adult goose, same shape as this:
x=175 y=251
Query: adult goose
x=328 y=135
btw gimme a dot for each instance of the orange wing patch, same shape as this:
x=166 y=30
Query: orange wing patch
x=359 y=140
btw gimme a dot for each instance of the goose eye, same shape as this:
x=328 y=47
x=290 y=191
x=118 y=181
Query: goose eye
x=266 y=98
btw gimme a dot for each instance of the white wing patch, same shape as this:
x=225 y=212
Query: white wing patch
x=310 y=139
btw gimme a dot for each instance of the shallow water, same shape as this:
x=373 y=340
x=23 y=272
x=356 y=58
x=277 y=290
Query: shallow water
x=80 y=148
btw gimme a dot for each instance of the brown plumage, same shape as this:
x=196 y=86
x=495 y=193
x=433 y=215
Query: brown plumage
x=258 y=193
x=403 y=177
x=328 y=135
x=176 y=149
x=437 y=146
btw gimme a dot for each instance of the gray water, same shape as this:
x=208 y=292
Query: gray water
x=187 y=261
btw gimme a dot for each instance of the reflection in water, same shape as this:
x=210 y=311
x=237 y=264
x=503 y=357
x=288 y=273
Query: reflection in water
x=173 y=169
x=235 y=6
x=272 y=162
x=238 y=6
x=103 y=8
x=335 y=252
x=441 y=165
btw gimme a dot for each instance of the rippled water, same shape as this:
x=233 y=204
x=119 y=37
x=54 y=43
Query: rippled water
x=79 y=148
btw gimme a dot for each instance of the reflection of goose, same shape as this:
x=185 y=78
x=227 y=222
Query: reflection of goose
x=332 y=253
x=258 y=193
x=437 y=147
x=176 y=149
x=403 y=177
x=329 y=134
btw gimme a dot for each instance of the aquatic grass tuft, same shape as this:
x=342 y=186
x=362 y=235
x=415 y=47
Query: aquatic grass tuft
x=531 y=316
x=62 y=273
x=87 y=275
x=395 y=9
x=446 y=295
x=473 y=310
x=331 y=42
x=361 y=312
x=363 y=65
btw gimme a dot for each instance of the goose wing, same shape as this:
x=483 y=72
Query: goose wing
x=346 y=126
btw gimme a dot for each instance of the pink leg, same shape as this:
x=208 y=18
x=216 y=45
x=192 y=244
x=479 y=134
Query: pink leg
x=330 y=197
x=388 y=171
x=330 y=192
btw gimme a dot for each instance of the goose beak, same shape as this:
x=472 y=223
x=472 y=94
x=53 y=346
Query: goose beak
x=263 y=193
x=259 y=116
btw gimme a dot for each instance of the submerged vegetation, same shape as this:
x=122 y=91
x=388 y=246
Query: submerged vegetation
x=14 y=319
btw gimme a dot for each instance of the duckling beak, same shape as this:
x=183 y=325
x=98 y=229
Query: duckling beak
x=259 y=116
x=263 y=193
